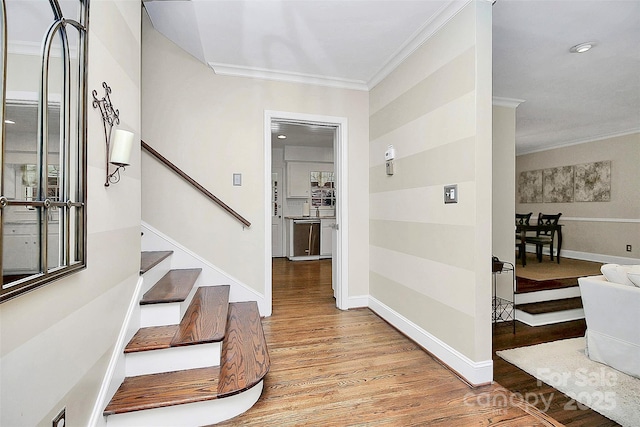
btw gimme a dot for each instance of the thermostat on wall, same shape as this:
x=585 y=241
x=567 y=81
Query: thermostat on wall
x=390 y=154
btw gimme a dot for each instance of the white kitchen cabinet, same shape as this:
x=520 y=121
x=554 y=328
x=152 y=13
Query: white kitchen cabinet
x=22 y=251
x=326 y=236
x=299 y=177
x=22 y=248
x=298 y=183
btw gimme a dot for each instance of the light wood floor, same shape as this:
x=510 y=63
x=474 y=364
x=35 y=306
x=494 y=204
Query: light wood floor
x=344 y=368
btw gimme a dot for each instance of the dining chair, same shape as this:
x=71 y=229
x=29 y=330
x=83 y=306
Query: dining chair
x=521 y=219
x=546 y=236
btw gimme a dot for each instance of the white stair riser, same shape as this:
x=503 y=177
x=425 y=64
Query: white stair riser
x=549 y=318
x=172 y=359
x=160 y=314
x=166 y=313
x=190 y=414
x=548 y=295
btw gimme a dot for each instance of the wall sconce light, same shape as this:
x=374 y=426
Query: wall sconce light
x=119 y=151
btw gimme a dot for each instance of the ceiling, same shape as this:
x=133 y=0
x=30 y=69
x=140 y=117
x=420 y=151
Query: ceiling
x=568 y=97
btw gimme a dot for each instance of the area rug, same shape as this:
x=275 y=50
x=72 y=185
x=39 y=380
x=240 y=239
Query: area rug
x=564 y=366
x=547 y=270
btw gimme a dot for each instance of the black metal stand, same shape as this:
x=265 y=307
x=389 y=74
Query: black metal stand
x=504 y=309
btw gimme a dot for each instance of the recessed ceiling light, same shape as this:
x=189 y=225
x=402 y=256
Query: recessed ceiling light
x=9 y=122
x=282 y=136
x=582 y=47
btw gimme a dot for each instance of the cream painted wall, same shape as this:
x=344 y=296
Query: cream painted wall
x=596 y=230
x=57 y=340
x=504 y=167
x=430 y=261
x=213 y=126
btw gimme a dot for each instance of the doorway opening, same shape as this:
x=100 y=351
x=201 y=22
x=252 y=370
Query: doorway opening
x=325 y=199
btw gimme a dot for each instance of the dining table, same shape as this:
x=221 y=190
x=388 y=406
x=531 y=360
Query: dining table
x=523 y=229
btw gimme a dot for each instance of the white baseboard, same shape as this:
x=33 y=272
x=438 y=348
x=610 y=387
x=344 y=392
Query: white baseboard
x=605 y=259
x=154 y=240
x=358 y=301
x=588 y=256
x=475 y=373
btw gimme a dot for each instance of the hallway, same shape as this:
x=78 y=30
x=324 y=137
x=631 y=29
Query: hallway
x=336 y=368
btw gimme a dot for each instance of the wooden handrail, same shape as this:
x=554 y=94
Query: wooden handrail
x=194 y=183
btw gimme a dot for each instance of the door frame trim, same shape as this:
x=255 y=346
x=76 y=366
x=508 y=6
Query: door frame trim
x=340 y=149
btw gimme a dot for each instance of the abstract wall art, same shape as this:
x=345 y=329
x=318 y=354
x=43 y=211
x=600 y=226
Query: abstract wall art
x=557 y=185
x=593 y=182
x=530 y=186
x=587 y=182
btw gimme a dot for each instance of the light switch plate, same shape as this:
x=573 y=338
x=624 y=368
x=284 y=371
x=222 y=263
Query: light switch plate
x=237 y=179
x=451 y=193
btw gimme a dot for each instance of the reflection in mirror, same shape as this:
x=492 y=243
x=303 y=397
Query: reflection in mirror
x=42 y=215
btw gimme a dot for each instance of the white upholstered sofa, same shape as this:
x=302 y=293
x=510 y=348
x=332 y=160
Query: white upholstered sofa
x=612 y=312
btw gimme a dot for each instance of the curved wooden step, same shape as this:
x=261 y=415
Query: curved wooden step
x=245 y=359
x=243 y=367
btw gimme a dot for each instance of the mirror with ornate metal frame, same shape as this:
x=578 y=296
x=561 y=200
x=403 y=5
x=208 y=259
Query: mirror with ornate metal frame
x=43 y=153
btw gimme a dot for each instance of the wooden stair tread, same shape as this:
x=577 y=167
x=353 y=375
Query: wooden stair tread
x=151 y=338
x=164 y=389
x=149 y=259
x=551 y=306
x=206 y=317
x=245 y=359
x=524 y=286
x=174 y=286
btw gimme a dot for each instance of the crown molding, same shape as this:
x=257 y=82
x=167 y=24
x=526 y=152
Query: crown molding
x=424 y=33
x=286 y=76
x=576 y=142
x=507 y=102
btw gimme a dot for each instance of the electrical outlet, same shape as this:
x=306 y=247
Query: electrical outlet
x=61 y=419
x=628 y=248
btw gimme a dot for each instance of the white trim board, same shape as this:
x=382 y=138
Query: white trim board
x=115 y=373
x=286 y=76
x=621 y=220
x=549 y=318
x=576 y=142
x=475 y=373
x=360 y=301
x=547 y=295
x=587 y=256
